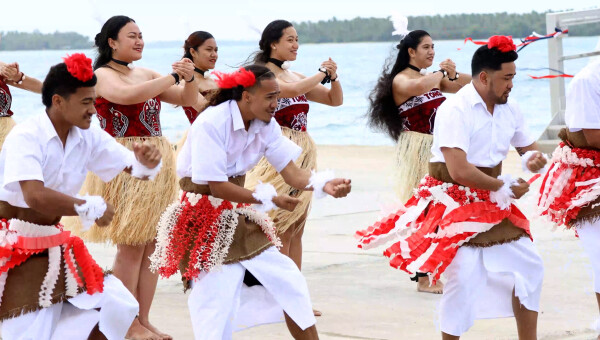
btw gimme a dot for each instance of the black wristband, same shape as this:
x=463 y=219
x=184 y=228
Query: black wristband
x=455 y=77
x=444 y=73
x=176 y=76
x=191 y=80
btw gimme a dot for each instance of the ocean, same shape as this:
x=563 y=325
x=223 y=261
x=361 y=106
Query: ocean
x=359 y=66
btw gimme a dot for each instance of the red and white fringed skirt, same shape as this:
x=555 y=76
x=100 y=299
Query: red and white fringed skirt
x=70 y=267
x=438 y=219
x=572 y=182
x=196 y=233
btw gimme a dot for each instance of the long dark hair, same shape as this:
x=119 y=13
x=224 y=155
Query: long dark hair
x=110 y=29
x=194 y=41
x=383 y=113
x=271 y=34
x=222 y=95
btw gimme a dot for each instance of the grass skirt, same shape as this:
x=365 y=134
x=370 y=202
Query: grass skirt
x=413 y=153
x=6 y=124
x=138 y=204
x=264 y=172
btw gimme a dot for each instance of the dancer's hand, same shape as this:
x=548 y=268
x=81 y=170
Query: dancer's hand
x=520 y=189
x=338 y=187
x=185 y=69
x=11 y=72
x=331 y=67
x=286 y=202
x=450 y=67
x=109 y=213
x=536 y=162
x=147 y=154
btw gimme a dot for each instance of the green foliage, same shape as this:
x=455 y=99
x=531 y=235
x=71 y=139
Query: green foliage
x=453 y=26
x=14 y=40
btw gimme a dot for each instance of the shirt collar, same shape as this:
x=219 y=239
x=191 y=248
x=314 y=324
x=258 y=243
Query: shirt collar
x=473 y=95
x=50 y=132
x=238 y=122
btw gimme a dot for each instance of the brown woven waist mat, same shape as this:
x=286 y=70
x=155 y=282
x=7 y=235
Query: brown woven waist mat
x=502 y=232
x=186 y=184
x=8 y=211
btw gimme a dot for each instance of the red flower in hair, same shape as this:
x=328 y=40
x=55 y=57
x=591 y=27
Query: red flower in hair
x=502 y=42
x=79 y=66
x=241 y=77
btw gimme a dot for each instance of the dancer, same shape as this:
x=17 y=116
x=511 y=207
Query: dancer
x=128 y=104
x=403 y=104
x=10 y=74
x=279 y=46
x=213 y=235
x=42 y=166
x=570 y=191
x=462 y=220
x=201 y=48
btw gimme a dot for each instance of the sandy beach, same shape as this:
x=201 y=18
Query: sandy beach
x=362 y=297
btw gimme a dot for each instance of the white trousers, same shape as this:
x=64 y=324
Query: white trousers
x=76 y=319
x=589 y=235
x=220 y=303
x=480 y=283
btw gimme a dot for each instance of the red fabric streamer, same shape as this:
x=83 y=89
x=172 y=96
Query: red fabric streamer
x=551 y=76
x=241 y=77
x=502 y=43
x=476 y=42
x=79 y=66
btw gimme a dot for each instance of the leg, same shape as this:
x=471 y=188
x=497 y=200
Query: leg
x=282 y=279
x=126 y=268
x=146 y=288
x=526 y=320
x=589 y=235
x=449 y=337
x=424 y=284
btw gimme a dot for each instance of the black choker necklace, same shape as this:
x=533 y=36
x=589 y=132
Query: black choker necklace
x=276 y=62
x=120 y=62
x=199 y=71
x=422 y=71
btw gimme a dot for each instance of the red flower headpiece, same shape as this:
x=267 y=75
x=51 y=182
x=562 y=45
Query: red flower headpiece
x=79 y=66
x=502 y=42
x=241 y=77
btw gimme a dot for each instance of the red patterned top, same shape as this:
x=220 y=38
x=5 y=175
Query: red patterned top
x=192 y=113
x=137 y=120
x=292 y=112
x=418 y=112
x=5 y=100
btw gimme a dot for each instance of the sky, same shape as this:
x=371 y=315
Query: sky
x=169 y=20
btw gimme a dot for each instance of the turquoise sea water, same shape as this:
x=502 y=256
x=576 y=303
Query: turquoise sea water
x=359 y=66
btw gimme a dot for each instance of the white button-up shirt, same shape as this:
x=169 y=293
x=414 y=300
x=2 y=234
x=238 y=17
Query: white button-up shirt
x=218 y=145
x=464 y=122
x=33 y=151
x=583 y=100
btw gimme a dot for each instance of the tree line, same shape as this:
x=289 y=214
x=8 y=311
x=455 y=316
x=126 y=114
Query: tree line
x=13 y=40
x=452 y=26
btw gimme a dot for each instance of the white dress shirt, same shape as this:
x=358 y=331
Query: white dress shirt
x=218 y=145
x=33 y=151
x=464 y=122
x=583 y=100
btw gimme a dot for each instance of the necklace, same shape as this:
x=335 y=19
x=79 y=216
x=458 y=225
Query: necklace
x=284 y=65
x=422 y=71
x=124 y=63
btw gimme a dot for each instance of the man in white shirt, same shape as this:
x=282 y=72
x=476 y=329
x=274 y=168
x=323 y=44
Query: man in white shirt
x=43 y=164
x=570 y=193
x=214 y=226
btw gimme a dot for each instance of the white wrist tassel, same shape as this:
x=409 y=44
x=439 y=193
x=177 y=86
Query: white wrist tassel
x=525 y=158
x=93 y=208
x=504 y=196
x=139 y=170
x=264 y=193
x=318 y=180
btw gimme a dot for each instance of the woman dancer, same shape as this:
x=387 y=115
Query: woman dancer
x=403 y=104
x=11 y=75
x=128 y=105
x=278 y=46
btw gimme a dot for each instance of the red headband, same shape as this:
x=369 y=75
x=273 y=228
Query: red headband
x=502 y=43
x=241 y=77
x=79 y=66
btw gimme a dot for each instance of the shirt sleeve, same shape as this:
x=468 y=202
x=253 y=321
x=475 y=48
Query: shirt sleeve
x=209 y=156
x=109 y=158
x=451 y=129
x=280 y=151
x=583 y=104
x=522 y=136
x=23 y=162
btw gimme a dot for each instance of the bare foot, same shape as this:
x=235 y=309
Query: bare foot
x=161 y=335
x=138 y=332
x=423 y=285
x=317 y=313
